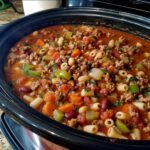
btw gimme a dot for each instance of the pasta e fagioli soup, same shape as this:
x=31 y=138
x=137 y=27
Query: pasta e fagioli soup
x=91 y=78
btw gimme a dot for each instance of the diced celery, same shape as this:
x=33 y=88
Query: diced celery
x=134 y=88
x=122 y=127
x=63 y=74
x=58 y=115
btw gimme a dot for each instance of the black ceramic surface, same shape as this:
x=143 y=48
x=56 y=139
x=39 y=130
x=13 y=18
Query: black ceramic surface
x=39 y=123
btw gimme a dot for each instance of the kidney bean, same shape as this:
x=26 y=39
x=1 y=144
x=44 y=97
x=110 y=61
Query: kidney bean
x=71 y=114
x=81 y=119
x=105 y=103
x=24 y=90
x=27 y=51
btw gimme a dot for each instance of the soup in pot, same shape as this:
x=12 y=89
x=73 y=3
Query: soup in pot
x=91 y=78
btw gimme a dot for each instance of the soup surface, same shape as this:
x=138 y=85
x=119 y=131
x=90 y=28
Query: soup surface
x=90 y=78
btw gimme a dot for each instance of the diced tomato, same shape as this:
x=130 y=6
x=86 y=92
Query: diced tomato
x=55 y=56
x=111 y=68
x=109 y=113
x=64 y=88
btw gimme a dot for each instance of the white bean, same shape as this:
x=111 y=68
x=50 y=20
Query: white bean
x=71 y=61
x=60 y=41
x=83 y=109
x=95 y=106
x=28 y=98
x=111 y=43
x=83 y=78
x=36 y=102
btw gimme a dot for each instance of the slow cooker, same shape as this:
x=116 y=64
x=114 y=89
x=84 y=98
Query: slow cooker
x=31 y=130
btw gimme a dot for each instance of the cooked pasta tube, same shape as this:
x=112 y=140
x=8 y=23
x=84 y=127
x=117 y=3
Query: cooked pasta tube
x=100 y=134
x=136 y=135
x=113 y=133
x=91 y=128
x=121 y=115
x=140 y=105
x=148 y=116
x=109 y=122
x=36 y=102
x=122 y=87
x=28 y=98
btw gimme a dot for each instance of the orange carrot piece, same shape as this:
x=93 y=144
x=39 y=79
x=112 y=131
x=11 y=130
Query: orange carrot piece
x=126 y=107
x=50 y=97
x=66 y=107
x=55 y=55
x=64 y=88
x=40 y=42
x=75 y=53
x=75 y=98
x=48 y=108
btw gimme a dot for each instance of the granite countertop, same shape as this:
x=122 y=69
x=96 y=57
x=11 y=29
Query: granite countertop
x=7 y=16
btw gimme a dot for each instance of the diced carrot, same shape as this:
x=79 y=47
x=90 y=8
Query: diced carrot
x=76 y=53
x=66 y=107
x=64 y=88
x=75 y=99
x=50 y=97
x=40 y=42
x=55 y=55
x=127 y=107
x=48 y=108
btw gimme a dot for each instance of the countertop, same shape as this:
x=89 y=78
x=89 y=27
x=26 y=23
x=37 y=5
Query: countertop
x=7 y=16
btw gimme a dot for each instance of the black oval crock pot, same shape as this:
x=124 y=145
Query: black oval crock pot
x=35 y=121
